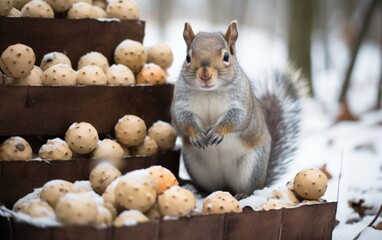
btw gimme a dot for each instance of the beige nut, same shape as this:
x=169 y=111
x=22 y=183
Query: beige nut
x=135 y=193
x=60 y=6
x=163 y=134
x=275 y=204
x=148 y=148
x=76 y=209
x=163 y=178
x=221 y=202
x=120 y=75
x=5 y=7
x=94 y=58
x=176 y=202
x=15 y=148
x=130 y=130
x=123 y=9
x=129 y=218
x=54 y=58
x=20 y=3
x=53 y=190
x=80 y=10
x=81 y=137
x=130 y=53
x=33 y=79
x=91 y=75
x=40 y=209
x=55 y=149
x=14 y=13
x=37 y=9
x=98 y=12
x=104 y=216
x=161 y=55
x=102 y=175
x=310 y=183
x=151 y=74
x=59 y=75
x=17 y=60
x=109 y=150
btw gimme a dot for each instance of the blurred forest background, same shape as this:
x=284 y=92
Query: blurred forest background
x=315 y=35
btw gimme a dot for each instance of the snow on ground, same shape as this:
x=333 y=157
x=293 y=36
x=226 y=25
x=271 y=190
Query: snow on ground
x=358 y=145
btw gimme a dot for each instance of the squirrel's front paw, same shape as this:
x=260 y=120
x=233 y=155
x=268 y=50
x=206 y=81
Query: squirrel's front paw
x=199 y=141
x=213 y=137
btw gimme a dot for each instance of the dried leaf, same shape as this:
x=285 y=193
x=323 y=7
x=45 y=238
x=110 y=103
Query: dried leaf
x=379 y=226
x=366 y=146
x=359 y=208
x=324 y=170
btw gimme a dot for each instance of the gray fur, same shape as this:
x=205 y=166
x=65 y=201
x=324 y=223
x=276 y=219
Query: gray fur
x=280 y=92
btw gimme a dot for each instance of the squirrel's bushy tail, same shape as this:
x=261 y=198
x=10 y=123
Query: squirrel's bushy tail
x=280 y=92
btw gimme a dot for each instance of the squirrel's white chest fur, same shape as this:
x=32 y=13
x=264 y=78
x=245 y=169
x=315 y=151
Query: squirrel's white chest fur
x=208 y=107
x=217 y=165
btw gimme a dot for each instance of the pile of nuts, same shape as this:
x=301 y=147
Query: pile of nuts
x=133 y=65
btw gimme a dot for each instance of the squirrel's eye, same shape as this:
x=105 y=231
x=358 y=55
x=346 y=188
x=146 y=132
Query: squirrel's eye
x=188 y=58
x=226 y=57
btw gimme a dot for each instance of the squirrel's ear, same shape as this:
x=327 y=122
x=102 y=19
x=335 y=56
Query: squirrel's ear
x=231 y=36
x=188 y=34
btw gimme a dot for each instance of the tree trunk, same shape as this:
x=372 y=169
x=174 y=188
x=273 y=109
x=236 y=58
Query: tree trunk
x=355 y=48
x=379 y=94
x=299 y=45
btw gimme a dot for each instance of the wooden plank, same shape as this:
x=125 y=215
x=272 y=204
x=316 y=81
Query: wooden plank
x=141 y=231
x=252 y=225
x=17 y=178
x=309 y=222
x=75 y=37
x=6 y=231
x=24 y=231
x=80 y=233
x=208 y=227
x=43 y=110
x=305 y=222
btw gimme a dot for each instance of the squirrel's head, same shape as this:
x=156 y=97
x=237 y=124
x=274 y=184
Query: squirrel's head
x=210 y=61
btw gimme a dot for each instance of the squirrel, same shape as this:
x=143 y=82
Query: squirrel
x=236 y=137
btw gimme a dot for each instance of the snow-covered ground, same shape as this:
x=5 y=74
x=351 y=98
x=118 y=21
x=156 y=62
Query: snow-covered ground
x=358 y=145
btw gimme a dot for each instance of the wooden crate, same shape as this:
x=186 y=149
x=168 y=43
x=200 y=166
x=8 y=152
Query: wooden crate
x=43 y=110
x=305 y=222
x=75 y=37
x=17 y=178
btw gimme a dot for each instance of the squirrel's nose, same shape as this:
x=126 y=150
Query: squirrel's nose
x=205 y=74
x=205 y=78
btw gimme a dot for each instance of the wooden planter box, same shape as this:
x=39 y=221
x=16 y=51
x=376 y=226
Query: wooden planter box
x=43 y=110
x=18 y=178
x=75 y=37
x=306 y=222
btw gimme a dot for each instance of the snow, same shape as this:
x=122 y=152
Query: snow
x=255 y=202
x=19 y=216
x=104 y=164
x=370 y=233
x=170 y=218
x=56 y=140
x=131 y=217
x=139 y=174
x=73 y=126
x=52 y=144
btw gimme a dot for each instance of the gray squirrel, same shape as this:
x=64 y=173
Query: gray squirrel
x=236 y=137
